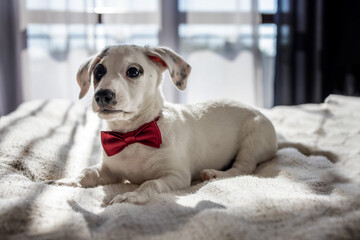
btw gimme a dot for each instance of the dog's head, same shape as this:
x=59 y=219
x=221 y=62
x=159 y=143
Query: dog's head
x=126 y=78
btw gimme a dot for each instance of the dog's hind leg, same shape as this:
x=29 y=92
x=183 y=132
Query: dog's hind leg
x=254 y=149
x=243 y=165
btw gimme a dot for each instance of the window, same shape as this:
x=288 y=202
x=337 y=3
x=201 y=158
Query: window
x=230 y=52
x=61 y=34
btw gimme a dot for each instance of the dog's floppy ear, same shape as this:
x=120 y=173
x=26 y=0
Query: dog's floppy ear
x=165 y=58
x=83 y=75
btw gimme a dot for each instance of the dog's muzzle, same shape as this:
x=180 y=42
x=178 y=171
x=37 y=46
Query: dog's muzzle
x=104 y=97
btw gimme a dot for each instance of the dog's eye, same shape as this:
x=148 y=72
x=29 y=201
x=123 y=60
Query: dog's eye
x=133 y=72
x=99 y=72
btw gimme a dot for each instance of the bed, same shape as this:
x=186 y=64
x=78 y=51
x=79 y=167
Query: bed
x=292 y=196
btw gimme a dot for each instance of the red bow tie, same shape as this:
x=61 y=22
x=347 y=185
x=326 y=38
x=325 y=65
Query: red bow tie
x=148 y=134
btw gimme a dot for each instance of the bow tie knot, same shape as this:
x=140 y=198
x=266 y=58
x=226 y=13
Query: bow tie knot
x=148 y=134
x=130 y=138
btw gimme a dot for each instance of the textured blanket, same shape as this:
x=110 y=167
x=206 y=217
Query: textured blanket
x=292 y=196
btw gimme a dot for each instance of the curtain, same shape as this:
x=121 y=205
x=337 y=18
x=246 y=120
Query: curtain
x=317 y=50
x=10 y=57
x=298 y=73
x=341 y=50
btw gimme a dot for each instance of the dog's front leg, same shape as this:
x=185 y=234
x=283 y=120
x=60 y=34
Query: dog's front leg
x=150 y=188
x=89 y=177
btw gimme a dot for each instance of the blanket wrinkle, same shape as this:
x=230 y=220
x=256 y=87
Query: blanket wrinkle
x=296 y=195
x=320 y=132
x=65 y=149
x=17 y=164
x=139 y=224
x=95 y=153
x=6 y=129
x=17 y=216
x=20 y=165
x=92 y=219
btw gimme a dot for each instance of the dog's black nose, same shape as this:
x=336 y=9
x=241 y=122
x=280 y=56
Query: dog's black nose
x=104 y=97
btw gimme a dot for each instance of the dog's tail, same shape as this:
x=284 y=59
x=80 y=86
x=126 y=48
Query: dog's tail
x=308 y=150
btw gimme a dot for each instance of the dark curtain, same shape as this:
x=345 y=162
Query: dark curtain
x=10 y=56
x=318 y=50
x=341 y=44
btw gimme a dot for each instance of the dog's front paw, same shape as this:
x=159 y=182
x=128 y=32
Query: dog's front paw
x=130 y=197
x=64 y=182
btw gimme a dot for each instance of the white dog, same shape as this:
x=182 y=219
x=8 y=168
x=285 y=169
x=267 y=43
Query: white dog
x=165 y=146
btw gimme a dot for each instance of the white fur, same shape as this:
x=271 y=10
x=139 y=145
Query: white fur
x=198 y=141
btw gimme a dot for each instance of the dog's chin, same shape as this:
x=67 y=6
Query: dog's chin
x=111 y=115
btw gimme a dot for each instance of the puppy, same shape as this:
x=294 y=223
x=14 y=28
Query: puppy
x=163 y=146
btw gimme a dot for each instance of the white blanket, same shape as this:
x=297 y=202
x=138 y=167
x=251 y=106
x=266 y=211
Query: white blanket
x=293 y=196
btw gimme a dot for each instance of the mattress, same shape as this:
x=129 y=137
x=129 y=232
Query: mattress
x=295 y=195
